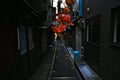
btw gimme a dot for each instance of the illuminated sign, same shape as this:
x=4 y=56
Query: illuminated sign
x=80 y=7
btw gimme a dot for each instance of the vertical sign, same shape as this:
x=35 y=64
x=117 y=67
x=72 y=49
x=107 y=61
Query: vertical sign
x=80 y=7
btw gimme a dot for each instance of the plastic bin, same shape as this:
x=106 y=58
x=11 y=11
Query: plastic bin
x=76 y=55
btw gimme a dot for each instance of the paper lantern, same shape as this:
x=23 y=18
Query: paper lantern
x=69 y=2
x=70 y=23
x=60 y=17
x=58 y=29
x=61 y=28
x=66 y=10
x=54 y=29
x=66 y=18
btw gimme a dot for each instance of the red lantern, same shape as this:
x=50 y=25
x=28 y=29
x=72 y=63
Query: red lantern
x=54 y=29
x=69 y=2
x=61 y=28
x=60 y=17
x=70 y=23
x=58 y=29
x=66 y=10
x=66 y=18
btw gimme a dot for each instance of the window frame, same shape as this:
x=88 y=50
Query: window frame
x=88 y=31
x=114 y=25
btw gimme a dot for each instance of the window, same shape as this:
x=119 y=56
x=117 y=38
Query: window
x=93 y=30
x=116 y=24
x=22 y=40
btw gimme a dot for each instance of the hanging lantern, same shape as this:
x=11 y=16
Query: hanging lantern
x=66 y=18
x=58 y=29
x=54 y=29
x=70 y=23
x=66 y=10
x=69 y=2
x=60 y=17
x=61 y=28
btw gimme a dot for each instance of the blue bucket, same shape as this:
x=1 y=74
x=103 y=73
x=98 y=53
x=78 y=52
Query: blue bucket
x=76 y=55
